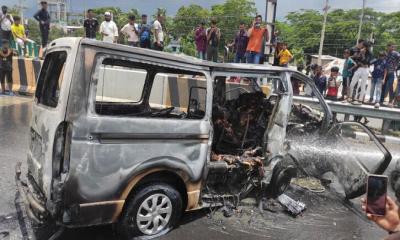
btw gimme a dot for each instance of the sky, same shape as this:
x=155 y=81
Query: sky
x=149 y=6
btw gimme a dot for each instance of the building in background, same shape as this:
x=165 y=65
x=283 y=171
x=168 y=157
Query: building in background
x=58 y=10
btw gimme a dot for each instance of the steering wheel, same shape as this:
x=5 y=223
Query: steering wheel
x=164 y=111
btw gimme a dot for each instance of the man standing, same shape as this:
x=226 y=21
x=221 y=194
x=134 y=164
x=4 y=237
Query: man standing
x=213 y=38
x=91 y=25
x=131 y=30
x=392 y=61
x=240 y=44
x=6 y=20
x=6 y=68
x=43 y=17
x=145 y=33
x=257 y=35
x=363 y=59
x=108 y=29
x=158 y=33
x=200 y=37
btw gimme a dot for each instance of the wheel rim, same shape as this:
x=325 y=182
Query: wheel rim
x=154 y=214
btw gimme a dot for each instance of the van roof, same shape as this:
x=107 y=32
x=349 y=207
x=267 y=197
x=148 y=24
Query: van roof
x=231 y=67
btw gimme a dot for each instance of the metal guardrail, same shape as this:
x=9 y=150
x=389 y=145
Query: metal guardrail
x=347 y=108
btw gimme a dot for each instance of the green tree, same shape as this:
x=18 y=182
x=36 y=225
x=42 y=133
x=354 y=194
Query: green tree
x=187 y=18
x=302 y=30
x=231 y=13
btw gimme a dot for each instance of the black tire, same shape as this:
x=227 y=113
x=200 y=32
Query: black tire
x=128 y=227
x=281 y=178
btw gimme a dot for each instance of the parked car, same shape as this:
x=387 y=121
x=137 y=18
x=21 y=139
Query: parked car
x=135 y=137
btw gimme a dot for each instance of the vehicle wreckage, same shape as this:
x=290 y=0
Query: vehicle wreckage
x=132 y=137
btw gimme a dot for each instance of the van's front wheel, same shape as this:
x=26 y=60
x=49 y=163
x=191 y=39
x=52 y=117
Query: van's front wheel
x=152 y=211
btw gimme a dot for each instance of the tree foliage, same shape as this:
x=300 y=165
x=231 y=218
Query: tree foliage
x=302 y=30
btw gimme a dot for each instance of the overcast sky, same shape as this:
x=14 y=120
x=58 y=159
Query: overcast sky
x=149 y=6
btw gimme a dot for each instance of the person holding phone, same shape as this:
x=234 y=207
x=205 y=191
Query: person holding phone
x=256 y=34
x=381 y=208
x=213 y=38
x=390 y=221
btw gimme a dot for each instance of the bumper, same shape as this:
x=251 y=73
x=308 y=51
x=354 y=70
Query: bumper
x=35 y=208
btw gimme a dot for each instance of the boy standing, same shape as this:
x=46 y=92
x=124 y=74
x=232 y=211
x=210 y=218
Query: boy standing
x=200 y=37
x=378 y=76
x=158 y=33
x=320 y=80
x=91 y=25
x=145 y=33
x=333 y=85
x=284 y=56
x=347 y=74
x=6 y=67
x=131 y=30
x=213 y=38
x=240 y=45
x=392 y=61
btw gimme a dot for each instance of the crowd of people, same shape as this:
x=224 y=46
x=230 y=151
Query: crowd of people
x=355 y=76
x=248 y=45
x=137 y=34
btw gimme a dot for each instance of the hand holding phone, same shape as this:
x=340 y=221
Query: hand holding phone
x=391 y=221
x=376 y=195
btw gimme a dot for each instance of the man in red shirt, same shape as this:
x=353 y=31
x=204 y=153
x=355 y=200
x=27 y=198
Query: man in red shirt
x=257 y=35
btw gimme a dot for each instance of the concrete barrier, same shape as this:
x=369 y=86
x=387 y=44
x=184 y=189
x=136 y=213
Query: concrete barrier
x=25 y=74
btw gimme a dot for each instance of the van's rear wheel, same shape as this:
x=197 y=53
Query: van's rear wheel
x=152 y=211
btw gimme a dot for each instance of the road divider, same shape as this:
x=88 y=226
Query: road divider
x=25 y=74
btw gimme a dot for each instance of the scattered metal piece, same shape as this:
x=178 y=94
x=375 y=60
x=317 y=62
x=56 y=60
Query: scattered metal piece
x=293 y=207
x=271 y=205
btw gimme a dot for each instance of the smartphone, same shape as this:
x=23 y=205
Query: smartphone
x=376 y=194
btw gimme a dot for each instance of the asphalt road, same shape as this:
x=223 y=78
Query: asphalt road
x=327 y=215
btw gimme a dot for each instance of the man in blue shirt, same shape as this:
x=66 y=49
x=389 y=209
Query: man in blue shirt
x=392 y=61
x=43 y=17
x=379 y=73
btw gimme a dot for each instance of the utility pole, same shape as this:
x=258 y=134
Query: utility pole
x=321 y=44
x=270 y=17
x=361 y=20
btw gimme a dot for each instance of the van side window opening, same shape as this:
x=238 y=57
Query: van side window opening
x=50 y=79
x=242 y=108
x=130 y=89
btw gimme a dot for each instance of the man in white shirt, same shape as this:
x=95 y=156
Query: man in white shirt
x=6 y=20
x=131 y=30
x=158 y=33
x=108 y=29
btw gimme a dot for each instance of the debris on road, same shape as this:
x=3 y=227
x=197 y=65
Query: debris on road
x=293 y=207
x=311 y=184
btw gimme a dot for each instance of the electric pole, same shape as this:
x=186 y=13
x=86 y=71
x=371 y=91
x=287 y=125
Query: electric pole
x=321 y=44
x=361 y=20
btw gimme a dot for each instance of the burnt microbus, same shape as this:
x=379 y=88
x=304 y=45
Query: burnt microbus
x=134 y=137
